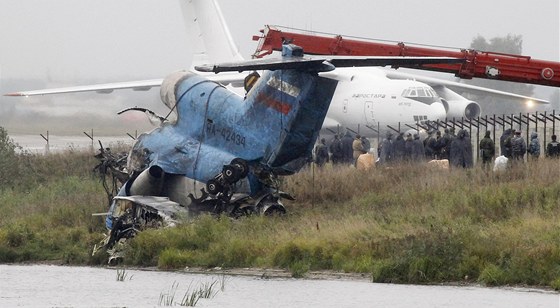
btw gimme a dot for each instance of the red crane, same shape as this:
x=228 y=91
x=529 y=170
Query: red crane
x=479 y=64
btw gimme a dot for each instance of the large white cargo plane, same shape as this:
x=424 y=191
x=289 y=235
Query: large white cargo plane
x=366 y=100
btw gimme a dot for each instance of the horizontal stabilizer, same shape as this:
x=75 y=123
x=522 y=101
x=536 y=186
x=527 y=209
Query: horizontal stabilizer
x=323 y=64
x=268 y=64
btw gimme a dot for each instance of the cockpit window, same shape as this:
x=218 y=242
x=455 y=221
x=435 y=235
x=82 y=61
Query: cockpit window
x=419 y=92
x=425 y=95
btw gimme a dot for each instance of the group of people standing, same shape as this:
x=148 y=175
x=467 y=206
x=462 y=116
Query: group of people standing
x=456 y=148
x=513 y=146
x=409 y=148
x=343 y=150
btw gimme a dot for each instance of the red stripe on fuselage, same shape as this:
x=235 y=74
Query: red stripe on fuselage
x=270 y=102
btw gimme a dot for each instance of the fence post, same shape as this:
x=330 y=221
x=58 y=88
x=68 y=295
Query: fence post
x=90 y=137
x=47 y=146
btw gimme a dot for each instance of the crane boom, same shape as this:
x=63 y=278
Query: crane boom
x=478 y=64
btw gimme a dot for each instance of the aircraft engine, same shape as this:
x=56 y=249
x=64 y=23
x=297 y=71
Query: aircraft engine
x=456 y=105
x=167 y=89
x=461 y=108
x=147 y=183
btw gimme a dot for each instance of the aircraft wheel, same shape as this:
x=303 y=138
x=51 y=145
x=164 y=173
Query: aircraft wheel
x=274 y=209
x=213 y=187
x=231 y=174
x=241 y=165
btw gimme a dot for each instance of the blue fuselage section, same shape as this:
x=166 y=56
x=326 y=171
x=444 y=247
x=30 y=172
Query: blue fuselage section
x=276 y=124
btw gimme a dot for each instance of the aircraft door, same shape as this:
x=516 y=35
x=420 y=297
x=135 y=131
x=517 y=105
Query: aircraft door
x=370 y=116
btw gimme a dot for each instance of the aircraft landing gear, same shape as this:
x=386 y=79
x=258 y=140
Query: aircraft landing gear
x=235 y=171
x=219 y=197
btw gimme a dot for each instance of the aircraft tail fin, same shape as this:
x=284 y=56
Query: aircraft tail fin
x=206 y=26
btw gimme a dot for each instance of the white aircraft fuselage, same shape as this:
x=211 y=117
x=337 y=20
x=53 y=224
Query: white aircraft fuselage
x=366 y=101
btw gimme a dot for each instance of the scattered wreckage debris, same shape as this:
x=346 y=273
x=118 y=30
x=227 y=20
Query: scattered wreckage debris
x=142 y=208
x=111 y=169
x=133 y=214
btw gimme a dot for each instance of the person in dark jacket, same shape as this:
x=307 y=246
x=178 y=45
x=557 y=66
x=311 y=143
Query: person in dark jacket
x=321 y=153
x=366 y=145
x=505 y=143
x=460 y=153
x=399 y=148
x=386 y=150
x=534 y=148
x=337 y=153
x=487 y=149
x=418 y=151
x=553 y=148
x=445 y=142
x=347 y=141
x=518 y=147
x=408 y=148
x=430 y=146
x=437 y=150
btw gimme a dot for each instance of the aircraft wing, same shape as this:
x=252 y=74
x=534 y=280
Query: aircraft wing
x=463 y=87
x=322 y=64
x=140 y=85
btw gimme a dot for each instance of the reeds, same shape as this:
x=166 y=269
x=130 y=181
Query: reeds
x=192 y=295
x=168 y=298
x=122 y=275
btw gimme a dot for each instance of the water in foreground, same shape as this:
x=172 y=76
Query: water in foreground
x=59 y=286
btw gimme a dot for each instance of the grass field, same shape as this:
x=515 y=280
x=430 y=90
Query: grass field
x=406 y=224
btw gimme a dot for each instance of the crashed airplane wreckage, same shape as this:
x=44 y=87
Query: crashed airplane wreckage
x=229 y=148
x=154 y=199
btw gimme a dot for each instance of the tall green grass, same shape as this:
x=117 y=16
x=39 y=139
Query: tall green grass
x=46 y=202
x=405 y=224
x=408 y=224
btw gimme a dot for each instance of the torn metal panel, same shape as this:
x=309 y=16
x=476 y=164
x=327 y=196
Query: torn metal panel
x=132 y=214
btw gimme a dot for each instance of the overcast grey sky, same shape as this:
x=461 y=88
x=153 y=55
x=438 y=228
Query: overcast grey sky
x=73 y=40
x=68 y=42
